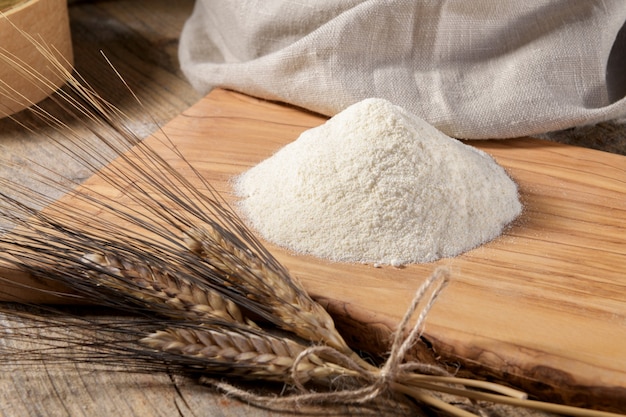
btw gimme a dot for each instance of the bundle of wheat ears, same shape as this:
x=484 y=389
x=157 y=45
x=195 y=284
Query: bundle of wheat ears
x=211 y=302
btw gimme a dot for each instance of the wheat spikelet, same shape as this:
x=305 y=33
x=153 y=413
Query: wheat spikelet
x=181 y=298
x=273 y=287
x=245 y=353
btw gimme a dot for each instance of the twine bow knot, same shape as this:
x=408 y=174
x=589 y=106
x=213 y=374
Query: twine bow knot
x=381 y=380
x=374 y=381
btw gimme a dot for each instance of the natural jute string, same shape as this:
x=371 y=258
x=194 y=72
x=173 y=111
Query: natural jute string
x=377 y=381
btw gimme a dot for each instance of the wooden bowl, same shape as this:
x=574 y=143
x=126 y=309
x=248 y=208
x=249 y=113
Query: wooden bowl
x=26 y=27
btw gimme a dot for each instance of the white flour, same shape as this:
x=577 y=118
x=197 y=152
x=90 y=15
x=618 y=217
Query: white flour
x=376 y=184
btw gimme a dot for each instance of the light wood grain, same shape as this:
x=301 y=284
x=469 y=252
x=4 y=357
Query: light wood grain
x=542 y=307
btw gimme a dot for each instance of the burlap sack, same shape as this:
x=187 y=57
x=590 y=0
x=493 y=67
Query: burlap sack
x=474 y=69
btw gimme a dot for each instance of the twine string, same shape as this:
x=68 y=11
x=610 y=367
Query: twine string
x=401 y=344
x=376 y=381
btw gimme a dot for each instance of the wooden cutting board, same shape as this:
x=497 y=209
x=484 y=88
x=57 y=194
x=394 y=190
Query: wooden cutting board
x=542 y=307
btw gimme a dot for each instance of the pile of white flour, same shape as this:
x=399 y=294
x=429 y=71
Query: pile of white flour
x=376 y=184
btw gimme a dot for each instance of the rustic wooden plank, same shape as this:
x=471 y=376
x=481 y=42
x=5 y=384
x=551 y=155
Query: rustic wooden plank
x=545 y=300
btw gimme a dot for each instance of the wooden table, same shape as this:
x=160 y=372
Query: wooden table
x=140 y=38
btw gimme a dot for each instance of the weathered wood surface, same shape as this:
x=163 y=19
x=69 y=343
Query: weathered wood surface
x=549 y=293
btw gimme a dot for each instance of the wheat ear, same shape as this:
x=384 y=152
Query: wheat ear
x=272 y=287
x=243 y=352
x=164 y=291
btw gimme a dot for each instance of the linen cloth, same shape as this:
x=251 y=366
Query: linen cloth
x=474 y=69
